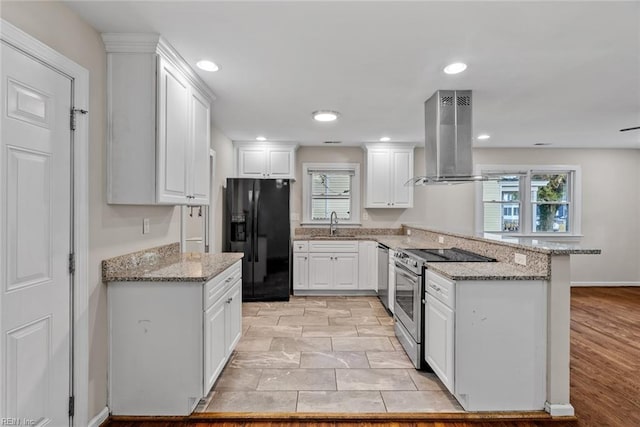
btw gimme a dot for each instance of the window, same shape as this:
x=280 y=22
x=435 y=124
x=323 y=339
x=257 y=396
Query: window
x=541 y=200
x=329 y=187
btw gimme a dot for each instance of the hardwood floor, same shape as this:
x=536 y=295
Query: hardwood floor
x=605 y=384
x=605 y=356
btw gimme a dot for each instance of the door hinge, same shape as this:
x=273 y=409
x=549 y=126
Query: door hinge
x=72 y=263
x=72 y=117
x=71 y=405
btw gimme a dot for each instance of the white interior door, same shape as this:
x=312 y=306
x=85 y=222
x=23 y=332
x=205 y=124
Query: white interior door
x=35 y=224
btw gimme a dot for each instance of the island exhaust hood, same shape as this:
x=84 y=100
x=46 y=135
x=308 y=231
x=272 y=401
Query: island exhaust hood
x=448 y=138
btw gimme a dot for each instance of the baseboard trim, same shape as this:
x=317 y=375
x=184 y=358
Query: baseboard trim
x=100 y=418
x=559 y=409
x=603 y=284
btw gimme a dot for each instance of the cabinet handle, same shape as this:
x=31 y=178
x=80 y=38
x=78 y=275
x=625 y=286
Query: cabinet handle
x=229 y=300
x=305 y=258
x=229 y=279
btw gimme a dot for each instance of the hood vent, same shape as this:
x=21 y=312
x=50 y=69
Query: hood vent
x=448 y=138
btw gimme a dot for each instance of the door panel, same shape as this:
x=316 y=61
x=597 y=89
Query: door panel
x=320 y=271
x=200 y=152
x=29 y=240
x=378 y=180
x=233 y=318
x=439 y=340
x=345 y=271
x=173 y=132
x=214 y=343
x=252 y=162
x=35 y=212
x=402 y=172
x=280 y=164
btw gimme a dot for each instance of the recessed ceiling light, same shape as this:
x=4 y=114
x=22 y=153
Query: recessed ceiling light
x=261 y=138
x=455 y=68
x=207 y=65
x=325 y=115
x=385 y=139
x=484 y=136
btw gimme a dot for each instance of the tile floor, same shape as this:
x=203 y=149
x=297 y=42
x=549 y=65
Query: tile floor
x=323 y=354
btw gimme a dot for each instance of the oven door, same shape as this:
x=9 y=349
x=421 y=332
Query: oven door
x=408 y=301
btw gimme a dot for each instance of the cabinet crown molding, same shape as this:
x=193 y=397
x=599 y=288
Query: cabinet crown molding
x=386 y=145
x=266 y=144
x=153 y=43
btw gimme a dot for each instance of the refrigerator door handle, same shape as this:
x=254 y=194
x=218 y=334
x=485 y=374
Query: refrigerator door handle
x=256 y=219
x=251 y=235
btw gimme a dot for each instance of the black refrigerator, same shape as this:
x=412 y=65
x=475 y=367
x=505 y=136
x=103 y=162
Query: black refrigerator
x=257 y=223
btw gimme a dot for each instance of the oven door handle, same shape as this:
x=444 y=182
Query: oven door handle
x=401 y=270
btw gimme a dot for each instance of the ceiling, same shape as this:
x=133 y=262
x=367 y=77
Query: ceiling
x=564 y=73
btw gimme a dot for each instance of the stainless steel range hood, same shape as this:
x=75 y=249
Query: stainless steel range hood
x=448 y=138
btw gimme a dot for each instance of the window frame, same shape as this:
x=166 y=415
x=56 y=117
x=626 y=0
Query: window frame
x=527 y=214
x=307 y=192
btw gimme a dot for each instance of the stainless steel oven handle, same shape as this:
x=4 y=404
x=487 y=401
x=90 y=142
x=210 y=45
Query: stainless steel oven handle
x=406 y=273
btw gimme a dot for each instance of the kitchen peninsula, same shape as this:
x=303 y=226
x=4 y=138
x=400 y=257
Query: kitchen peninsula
x=517 y=260
x=174 y=320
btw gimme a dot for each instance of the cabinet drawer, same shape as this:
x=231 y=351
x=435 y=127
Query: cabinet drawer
x=441 y=288
x=216 y=287
x=300 y=246
x=333 y=246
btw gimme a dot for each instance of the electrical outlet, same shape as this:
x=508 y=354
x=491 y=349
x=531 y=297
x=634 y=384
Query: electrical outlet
x=520 y=259
x=145 y=226
x=408 y=232
x=365 y=216
x=440 y=239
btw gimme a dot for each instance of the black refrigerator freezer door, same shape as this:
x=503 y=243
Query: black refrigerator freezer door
x=239 y=223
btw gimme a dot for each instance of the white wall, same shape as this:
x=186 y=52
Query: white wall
x=610 y=206
x=224 y=168
x=113 y=230
x=332 y=154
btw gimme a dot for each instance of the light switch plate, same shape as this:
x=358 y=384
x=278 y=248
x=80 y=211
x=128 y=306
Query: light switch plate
x=520 y=259
x=145 y=226
x=365 y=216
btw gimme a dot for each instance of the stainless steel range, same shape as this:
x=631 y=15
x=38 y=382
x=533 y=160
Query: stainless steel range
x=409 y=299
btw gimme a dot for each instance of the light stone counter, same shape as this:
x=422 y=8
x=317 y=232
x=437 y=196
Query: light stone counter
x=167 y=264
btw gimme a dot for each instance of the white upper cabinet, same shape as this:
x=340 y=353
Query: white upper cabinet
x=265 y=160
x=158 y=117
x=388 y=169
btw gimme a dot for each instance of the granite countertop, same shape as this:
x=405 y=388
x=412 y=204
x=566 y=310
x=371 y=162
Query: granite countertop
x=165 y=264
x=536 y=244
x=482 y=271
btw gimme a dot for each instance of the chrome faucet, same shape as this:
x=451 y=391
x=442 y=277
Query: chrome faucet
x=332 y=224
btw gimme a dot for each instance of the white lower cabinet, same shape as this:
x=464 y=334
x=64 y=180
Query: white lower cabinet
x=392 y=282
x=439 y=341
x=324 y=266
x=486 y=341
x=368 y=266
x=300 y=270
x=333 y=271
x=222 y=331
x=169 y=341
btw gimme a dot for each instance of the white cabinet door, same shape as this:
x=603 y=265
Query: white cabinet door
x=378 y=179
x=252 y=162
x=402 y=166
x=280 y=163
x=438 y=336
x=198 y=170
x=173 y=134
x=300 y=271
x=233 y=317
x=345 y=271
x=320 y=271
x=215 y=351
